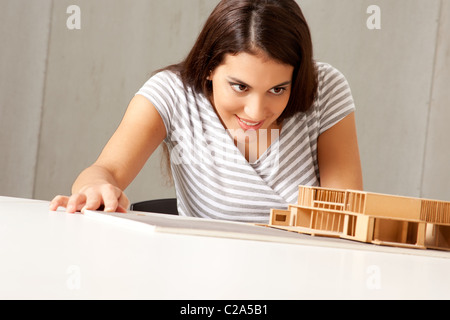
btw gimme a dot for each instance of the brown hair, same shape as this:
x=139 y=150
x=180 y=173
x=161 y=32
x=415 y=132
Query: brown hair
x=275 y=27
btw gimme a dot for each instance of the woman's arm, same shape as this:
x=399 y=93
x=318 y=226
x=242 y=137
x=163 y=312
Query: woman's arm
x=338 y=156
x=102 y=184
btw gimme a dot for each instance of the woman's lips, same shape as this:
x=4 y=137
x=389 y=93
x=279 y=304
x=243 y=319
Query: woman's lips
x=248 y=124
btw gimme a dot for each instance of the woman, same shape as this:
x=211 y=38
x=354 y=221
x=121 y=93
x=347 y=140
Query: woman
x=246 y=118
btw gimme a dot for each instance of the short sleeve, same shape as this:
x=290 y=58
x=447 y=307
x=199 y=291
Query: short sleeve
x=335 y=100
x=162 y=90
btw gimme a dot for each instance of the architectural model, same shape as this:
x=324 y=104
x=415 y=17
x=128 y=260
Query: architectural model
x=368 y=217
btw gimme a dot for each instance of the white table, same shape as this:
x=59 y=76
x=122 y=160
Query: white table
x=54 y=255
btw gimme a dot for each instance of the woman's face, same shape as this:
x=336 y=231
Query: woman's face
x=250 y=92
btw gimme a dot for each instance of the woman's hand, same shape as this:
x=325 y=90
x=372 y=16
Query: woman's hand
x=111 y=198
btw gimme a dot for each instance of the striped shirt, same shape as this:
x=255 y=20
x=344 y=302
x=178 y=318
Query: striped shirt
x=212 y=177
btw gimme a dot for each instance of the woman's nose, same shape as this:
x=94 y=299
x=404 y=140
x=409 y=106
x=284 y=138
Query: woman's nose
x=256 y=109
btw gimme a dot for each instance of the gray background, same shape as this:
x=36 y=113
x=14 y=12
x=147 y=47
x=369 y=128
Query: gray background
x=63 y=92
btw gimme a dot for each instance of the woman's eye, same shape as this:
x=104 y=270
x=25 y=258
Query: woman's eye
x=278 y=91
x=239 y=87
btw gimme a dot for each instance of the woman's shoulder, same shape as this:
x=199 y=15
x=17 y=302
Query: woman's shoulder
x=334 y=96
x=166 y=75
x=326 y=71
x=165 y=82
x=331 y=81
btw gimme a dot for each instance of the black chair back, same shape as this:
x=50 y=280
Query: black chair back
x=166 y=206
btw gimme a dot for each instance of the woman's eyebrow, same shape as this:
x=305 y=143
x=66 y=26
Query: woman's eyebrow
x=249 y=86
x=283 y=84
x=238 y=81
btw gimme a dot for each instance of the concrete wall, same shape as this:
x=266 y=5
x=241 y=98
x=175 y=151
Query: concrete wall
x=63 y=92
x=23 y=62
